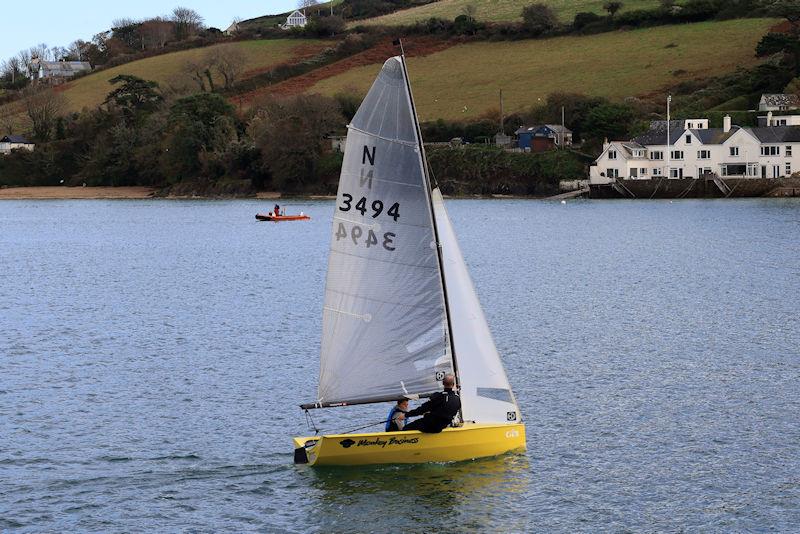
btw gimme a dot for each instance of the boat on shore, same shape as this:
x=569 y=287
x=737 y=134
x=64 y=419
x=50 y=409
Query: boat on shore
x=400 y=310
x=276 y=218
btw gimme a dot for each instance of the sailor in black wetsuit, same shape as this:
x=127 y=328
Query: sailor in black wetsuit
x=438 y=411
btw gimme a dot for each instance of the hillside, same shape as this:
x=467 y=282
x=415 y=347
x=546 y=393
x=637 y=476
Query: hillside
x=259 y=56
x=497 y=10
x=90 y=91
x=464 y=80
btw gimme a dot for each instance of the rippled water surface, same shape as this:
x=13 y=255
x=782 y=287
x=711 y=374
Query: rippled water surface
x=153 y=354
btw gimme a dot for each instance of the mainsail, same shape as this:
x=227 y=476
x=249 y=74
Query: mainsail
x=384 y=320
x=486 y=395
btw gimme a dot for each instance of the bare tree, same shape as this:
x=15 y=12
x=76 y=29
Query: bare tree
x=303 y=4
x=229 y=62
x=187 y=22
x=43 y=108
x=156 y=32
x=13 y=68
x=40 y=51
x=200 y=73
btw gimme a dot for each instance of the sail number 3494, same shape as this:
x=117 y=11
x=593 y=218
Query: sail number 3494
x=377 y=207
x=356 y=233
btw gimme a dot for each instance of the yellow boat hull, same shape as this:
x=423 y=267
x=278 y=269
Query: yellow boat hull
x=467 y=442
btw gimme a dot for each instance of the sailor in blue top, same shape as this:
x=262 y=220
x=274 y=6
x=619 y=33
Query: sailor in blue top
x=397 y=416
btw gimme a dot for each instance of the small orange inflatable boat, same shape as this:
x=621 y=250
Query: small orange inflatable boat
x=276 y=218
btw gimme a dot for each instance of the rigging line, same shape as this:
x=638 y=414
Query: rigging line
x=381 y=422
x=427 y=178
x=310 y=423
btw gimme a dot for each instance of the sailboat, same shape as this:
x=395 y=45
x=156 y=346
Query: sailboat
x=400 y=310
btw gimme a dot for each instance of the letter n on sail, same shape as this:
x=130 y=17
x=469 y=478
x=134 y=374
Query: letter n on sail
x=366 y=178
x=367 y=155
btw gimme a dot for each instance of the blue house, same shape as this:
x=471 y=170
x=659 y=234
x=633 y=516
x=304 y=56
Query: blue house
x=543 y=137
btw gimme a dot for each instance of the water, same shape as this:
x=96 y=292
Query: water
x=153 y=353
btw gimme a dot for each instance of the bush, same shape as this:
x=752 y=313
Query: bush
x=584 y=19
x=539 y=19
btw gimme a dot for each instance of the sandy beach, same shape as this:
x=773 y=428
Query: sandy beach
x=62 y=192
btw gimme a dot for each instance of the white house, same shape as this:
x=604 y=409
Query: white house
x=57 y=71
x=14 y=142
x=295 y=20
x=763 y=152
x=232 y=29
x=778 y=102
x=778 y=120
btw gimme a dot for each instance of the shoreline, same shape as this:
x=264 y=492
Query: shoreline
x=141 y=192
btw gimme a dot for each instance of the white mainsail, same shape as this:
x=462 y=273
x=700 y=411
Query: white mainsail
x=486 y=395
x=384 y=321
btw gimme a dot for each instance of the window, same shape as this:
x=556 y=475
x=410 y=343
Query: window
x=676 y=173
x=612 y=154
x=734 y=151
x=612 y=173
x=788 y=169
x=688 y=139
x=770 y=151
x=677 y=154
x=656 y=154
x=690 y=126
x=657 y=172
x=788 y=150
x=703 y=154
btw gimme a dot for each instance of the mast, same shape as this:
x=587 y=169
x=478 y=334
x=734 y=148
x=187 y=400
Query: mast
x=425 y=172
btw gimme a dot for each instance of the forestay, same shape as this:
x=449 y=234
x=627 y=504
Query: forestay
x=486 y=395
x=384 y=323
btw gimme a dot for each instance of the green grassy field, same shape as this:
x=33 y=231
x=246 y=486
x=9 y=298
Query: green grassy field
x=92 y=90
x=464 y=81
x=498 y=10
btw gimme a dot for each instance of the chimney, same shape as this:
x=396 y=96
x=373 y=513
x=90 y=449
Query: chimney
x=769 y=118
x=606 y=144
x=726 y=123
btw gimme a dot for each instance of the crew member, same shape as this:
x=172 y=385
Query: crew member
x=397 y=416
x=438 y=411
x=277 y=209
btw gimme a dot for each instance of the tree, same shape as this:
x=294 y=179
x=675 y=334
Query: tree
x=304 y=4
x=133 y=94
x=156 y=32
x=787 y=44
x=198 y=124
x=607 y=120
x=290 y=134
x=326 y=26
x=200 y=72
x=539 y=18
x=229 y=62
x=612 y=8
x=788 y=9
x=43 y=108
x=187 y=22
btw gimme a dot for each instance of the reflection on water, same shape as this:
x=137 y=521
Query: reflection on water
x=475 y=495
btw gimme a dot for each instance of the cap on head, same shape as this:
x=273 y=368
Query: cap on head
x=449 y=380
